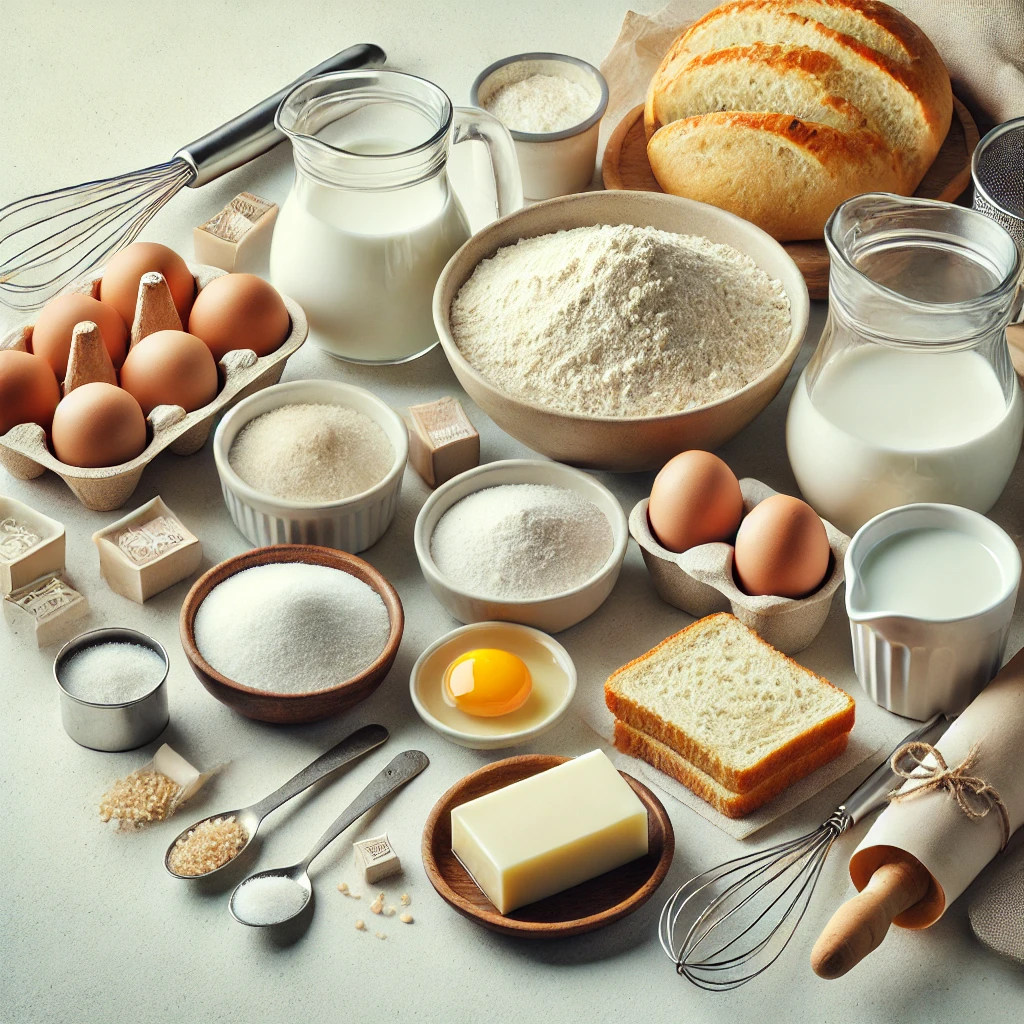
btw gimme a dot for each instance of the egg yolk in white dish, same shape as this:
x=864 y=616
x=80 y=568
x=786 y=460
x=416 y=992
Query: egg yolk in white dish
x=487 y=682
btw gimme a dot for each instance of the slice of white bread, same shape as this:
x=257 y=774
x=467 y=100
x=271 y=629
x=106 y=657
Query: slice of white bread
x=789 y=177
x=734 y=805
x=728 y=702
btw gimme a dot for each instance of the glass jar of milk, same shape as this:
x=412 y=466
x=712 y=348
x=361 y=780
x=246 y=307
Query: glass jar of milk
x=911 y=395
x=371 y=219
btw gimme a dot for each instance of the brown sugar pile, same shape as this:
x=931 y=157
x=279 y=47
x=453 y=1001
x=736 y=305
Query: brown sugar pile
x=211 y=844
x=143 y=796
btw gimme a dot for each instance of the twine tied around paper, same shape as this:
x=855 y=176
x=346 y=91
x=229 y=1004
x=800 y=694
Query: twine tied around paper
x=973 y=795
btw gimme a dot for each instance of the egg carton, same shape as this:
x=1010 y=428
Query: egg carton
x=700 y=580
x=25 y=454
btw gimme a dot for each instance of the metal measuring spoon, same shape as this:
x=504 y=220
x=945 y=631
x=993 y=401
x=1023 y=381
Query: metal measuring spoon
x=250 y=818
x=400 y=771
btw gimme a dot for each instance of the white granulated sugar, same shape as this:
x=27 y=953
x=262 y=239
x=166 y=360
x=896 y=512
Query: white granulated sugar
x=312 y=453
x=112 y=673
x=291 y=627
x=521 y=541
x=268 y=899
x=542 y=103
x=620 y=321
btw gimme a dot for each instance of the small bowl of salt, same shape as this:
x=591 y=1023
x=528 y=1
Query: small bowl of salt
x=312 y=462
x=552 y=106
x=113 y=688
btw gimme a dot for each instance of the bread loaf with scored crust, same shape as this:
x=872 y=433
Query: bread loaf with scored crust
x=867 y=97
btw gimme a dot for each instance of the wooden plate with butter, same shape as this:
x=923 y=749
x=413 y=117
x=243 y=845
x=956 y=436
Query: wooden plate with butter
x=583 y=908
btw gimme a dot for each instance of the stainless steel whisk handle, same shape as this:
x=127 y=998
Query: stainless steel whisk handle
x=874 y=791
x=251 y=134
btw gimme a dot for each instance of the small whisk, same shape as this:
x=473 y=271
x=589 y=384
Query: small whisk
x=727 y=925
x=48 y=240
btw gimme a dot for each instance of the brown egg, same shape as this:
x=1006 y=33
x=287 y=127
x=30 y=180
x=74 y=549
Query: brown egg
x=781 y=548
x=29 y=391
x=51 y=336
x=695 y=500
x=239 y=311
x=120 y=284
x=170 y=368
x=98 y=425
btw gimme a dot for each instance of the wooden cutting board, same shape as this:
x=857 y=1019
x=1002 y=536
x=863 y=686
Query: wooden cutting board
x=625 y=166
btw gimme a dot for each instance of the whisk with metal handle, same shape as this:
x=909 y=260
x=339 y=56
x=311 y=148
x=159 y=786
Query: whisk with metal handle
x=47 y=241
x=727 y=925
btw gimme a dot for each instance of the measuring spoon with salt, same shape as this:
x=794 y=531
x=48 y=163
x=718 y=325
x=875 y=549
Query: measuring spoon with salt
x=280 y=894
x=362 y=741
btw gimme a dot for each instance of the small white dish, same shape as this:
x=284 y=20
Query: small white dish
x=920 y=666
x=700 y=580
x=551 y=614
x=554 y=684
x=551 y=163
x=351 y=524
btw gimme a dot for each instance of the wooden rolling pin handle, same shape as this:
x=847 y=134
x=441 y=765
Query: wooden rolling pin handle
x=860 y=924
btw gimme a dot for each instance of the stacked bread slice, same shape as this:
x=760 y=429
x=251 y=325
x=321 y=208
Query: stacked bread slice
x=727 y=715
x=778 y=110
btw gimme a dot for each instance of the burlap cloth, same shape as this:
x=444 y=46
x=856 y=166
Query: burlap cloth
x=981 y=41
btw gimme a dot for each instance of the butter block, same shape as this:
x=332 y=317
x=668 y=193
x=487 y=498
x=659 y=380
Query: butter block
x=550 y=832
x=47 y=608
x=237 y=238
x=31 y=545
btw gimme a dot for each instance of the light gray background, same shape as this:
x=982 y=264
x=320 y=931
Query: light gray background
x=92 y=929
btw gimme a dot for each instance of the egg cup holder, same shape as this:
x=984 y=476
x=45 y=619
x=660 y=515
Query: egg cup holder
x=700 y=581
x=25 y=454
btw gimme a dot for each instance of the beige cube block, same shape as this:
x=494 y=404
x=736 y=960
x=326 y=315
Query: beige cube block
x=147 y=551
x=31 y=545
x=442 y=441
x=238 y=238
x=47 y=608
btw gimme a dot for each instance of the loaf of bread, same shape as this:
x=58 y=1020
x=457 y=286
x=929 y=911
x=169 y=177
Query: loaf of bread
x=730 y=706
x=778 y=110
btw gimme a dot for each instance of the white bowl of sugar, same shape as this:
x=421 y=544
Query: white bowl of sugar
x=552 y=106
x=522 y=541
x=312 y=462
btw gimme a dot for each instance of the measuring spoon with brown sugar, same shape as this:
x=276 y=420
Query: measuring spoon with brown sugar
x=209 y=845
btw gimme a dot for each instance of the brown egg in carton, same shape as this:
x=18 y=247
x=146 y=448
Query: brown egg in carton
x=24 y=452
x=700 y=580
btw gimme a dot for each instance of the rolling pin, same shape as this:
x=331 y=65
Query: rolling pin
x=922 y=852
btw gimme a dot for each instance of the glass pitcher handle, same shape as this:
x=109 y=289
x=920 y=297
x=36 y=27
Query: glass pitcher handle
x=474 y=124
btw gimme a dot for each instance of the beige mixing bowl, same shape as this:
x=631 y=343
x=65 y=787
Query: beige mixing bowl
x=625 y=444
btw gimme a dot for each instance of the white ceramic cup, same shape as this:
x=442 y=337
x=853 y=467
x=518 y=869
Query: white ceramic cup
x=918 y=666
x=551 y=163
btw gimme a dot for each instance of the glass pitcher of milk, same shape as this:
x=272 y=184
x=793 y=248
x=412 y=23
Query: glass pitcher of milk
x=371 y=219
x=911 y=395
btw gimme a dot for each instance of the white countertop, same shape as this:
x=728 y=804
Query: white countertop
x=93 y=929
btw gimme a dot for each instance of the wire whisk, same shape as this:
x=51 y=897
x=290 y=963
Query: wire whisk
x=736 y=919
x=726 y=926
x=49 y=240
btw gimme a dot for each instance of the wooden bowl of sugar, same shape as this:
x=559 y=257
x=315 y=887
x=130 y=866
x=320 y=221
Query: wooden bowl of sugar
x=626 y=443
x=291 y=704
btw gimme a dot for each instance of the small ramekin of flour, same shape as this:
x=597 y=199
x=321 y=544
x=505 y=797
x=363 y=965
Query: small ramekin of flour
x=291 y=633
x=552 y=106
x=521 y=541
x=313 y=462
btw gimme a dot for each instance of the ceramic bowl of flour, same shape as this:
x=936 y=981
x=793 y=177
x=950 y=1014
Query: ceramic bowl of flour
x=350 y=524
x=622 y=442
x=551 y=614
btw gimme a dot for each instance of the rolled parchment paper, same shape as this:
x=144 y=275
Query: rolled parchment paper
x=931 y=827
